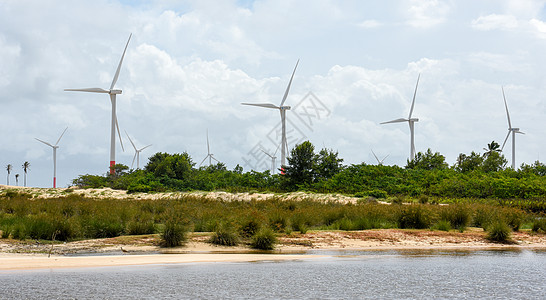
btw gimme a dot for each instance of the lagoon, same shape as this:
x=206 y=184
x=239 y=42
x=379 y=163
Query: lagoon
x=409 y=274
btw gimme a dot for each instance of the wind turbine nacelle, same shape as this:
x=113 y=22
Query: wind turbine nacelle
x=117 y=92
x=414 y=119
x=285 y=107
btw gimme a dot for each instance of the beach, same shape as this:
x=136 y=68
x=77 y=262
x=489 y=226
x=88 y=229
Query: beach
x=143 y=250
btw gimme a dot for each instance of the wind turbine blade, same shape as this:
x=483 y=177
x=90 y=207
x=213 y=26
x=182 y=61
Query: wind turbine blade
x=120 y=62
x=289 y=84
x=61 y=136
x=414 y=94
x=134 y=157
x=130 y=140
x=520 y=132
x=506 y=139
x=506 y=106
x=119 y=134
x=384 y=158
x=396 y=121
x=376 y=157
x=144 y=147
x=266 y=153
x=204 y=160
x=211 y=156
x=276 y=149
x=90 y=90
x=44 y=142
x=267 y=105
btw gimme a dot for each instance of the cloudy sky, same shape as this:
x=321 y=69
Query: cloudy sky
x=190 y=64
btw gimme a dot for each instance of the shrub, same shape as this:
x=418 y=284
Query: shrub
x=514 y=219
x=264 y=239
x=423 y=199
x=413 y=216
x=249 y=228
x=104 y=228
x=174 y=234
x=224 y=236
x=137 y=227
x=458 y=216
x=498 y=232
x=443 y=225
x=539 y=224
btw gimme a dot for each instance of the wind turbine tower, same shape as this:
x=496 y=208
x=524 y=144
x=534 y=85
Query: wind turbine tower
x=273 y=159
x=210 y=156
x=114 y=124
x=411 y=121
x=511 y=130
x=54 y=156
x=137 y=152
x=282 y=109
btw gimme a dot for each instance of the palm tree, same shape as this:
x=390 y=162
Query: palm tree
x=492 y=147
x=17 y=179
x=8 y=168
x=26 y=167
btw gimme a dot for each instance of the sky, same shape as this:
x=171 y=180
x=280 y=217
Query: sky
x=190 y=64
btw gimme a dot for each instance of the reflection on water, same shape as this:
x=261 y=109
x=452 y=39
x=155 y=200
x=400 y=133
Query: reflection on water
x=408 y=274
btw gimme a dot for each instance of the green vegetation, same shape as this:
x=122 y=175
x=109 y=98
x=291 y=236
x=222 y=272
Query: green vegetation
x=264 y=239
x=478 y=191
x=256 y=223
x=499 y=232
x=429 y=179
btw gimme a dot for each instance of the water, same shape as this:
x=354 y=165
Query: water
x=342 y=275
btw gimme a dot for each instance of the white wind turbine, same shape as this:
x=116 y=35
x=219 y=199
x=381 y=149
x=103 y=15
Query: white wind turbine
x=282 y=109
x=512 y=131
x=411 y=121
x=379 y=162
x=54 y=156
x=112 y=92
x=210 y=156
x=273 y=159
x=137 y=152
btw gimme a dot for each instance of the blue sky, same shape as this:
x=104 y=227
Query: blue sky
x=190 y=64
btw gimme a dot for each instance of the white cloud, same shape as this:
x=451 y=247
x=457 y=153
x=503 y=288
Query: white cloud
x=427 y=13
x=495 y=21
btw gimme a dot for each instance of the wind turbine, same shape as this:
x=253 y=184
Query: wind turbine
x=137 y=152
x=379 y=162
x=54 y=156
x=273 y=159
x=512 y=131
x=210 y=156
x=282 y=109
x=411 y=121
x=112 y=92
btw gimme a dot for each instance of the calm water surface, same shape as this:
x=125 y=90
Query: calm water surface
x=342 y=275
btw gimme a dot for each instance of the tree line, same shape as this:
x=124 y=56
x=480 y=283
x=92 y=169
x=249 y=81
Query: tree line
x=473 y=175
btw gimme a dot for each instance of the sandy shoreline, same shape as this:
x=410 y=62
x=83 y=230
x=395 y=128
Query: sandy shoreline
x=143 y=250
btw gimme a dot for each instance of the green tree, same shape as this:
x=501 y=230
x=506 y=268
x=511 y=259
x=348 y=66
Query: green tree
x=8 y=168
x=26 y=168
x=301 y=165
x=491 y=147
x=327 y=164
x=467 y=163
x=428 y=161
x=178 y=166
x=494 y=162
x=536 y=168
